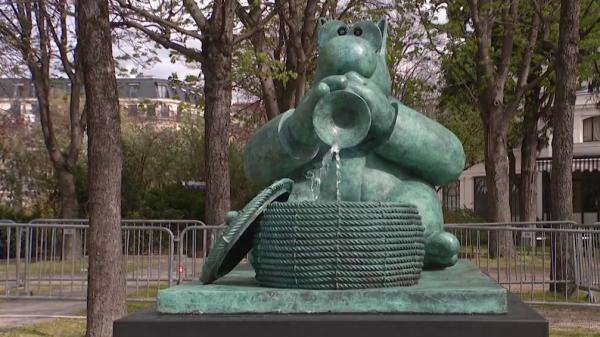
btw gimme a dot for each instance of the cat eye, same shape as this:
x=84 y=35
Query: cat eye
x=342 y=31
x=358 y=31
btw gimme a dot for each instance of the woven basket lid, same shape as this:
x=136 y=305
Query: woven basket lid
x=236 y=241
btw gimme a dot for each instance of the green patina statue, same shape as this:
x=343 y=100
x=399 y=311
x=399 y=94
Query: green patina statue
x=381 y=149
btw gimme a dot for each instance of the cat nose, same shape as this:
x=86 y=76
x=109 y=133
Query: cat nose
x=344 y=54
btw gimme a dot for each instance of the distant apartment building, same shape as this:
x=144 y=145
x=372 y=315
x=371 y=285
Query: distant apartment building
x=470 y=191
x=140 y=98
x=17 y=97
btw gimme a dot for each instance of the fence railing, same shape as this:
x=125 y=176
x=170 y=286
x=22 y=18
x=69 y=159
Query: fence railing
x=49 y=260
x=190 y=259
x=543 y=262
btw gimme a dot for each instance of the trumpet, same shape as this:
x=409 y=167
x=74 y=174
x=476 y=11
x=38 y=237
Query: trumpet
x=342 y=119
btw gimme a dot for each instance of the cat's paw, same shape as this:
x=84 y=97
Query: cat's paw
x=441 y=250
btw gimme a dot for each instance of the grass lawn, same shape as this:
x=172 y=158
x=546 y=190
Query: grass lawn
x=56 y=328
x=550 y=296
x=65 y=327
x=70 y=266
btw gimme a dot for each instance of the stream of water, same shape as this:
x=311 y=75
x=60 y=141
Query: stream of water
x=317 y=175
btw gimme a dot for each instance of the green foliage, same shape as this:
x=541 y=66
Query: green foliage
x=157 y=161
x=247 y=62
x=27 y=184
x=454 y=40
x=17 y=214
x=463 y=120
x=242 y=190
x=462 y=216
x=170 y=202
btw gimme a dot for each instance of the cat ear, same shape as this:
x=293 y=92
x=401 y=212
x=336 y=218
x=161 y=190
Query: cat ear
x=327 y=29
x=383 y=27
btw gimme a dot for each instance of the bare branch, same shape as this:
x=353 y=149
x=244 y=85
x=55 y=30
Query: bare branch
x=508 y=42
x=196 y=13
x=163 y=40
x=484 y=41
x=158 y=20
x=525 y=67
x=256 y=27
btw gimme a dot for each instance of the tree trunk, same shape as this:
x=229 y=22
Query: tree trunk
x=217 y=91
x=68 y=196
x=266 y=81
x=106 y=278
x=69 y=209
x=561 y=178
x=512 y=182
x=529 y=152
x=217 y=51
x=497 y=180
x=528 y=188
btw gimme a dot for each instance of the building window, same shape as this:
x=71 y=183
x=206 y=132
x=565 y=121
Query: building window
x=151 y=110
x=15 y=107
x=133 y=109
x=480 y=197
x=591 y=129
x=19 y=91
x=133 y=90
x=162 y=91
x=451 y=196
x=165 y=111
x=593 y=85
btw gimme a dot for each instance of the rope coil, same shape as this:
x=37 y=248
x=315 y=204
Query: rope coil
x=338 y=245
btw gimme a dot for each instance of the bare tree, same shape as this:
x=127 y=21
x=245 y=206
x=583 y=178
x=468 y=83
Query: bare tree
x=180 y=27
x=291 y=41
x=106 y=276
x=39 y=31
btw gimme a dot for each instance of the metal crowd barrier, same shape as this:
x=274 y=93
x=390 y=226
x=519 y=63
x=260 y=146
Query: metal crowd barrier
x=548 y=262
x=194 y=242
x=49 y=260
x=544 y=262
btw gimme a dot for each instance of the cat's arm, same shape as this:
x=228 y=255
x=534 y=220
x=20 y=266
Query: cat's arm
x=424 y=147
x=288 y=141
x=274 y=152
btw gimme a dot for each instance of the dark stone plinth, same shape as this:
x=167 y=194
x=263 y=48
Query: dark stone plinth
x=519 y=321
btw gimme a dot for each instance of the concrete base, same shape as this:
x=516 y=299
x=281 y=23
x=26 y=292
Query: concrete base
x=519 y=321
x=461 y=289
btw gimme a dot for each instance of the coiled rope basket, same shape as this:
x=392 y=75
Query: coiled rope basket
x=338 y=245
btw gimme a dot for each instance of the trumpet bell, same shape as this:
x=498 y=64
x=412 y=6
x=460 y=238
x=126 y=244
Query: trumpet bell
x=342 y=118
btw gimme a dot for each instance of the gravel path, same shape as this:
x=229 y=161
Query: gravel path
x=16 y=313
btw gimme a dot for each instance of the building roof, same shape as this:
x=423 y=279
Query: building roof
x=135 y=88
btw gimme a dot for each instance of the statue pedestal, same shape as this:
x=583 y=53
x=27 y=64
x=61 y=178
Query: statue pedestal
x=519 y=321
x=454 y=302
x=461 y=289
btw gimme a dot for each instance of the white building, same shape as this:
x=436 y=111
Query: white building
x=149 y=98
x=470 y=190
